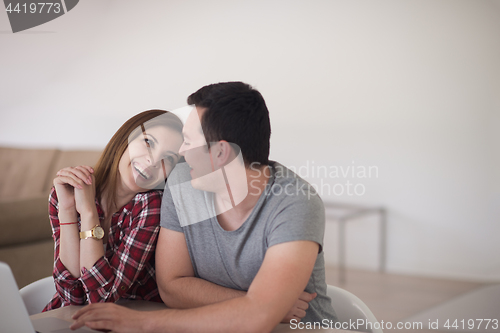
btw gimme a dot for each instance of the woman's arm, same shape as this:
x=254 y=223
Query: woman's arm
x=69 y=288
x=108 y=279
x=63 y=220
x=68 y=181
x=91 y=249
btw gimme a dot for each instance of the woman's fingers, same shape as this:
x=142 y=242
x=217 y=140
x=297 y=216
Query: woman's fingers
x=84 y=169
x=73 y=181
x=76 y=172
x=89 y=168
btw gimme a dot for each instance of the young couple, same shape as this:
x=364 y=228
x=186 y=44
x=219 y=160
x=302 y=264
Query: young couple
x=229 y=249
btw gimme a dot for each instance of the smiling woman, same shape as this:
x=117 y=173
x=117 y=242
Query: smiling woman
x=105 y=221
x=151 y=154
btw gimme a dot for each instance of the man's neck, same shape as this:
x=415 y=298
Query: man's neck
x=232 y=217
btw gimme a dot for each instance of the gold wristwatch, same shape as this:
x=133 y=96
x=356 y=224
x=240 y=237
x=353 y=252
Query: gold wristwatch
x=96 y=233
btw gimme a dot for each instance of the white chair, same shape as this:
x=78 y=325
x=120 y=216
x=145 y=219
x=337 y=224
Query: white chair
x=37 y=294
x=349 y=308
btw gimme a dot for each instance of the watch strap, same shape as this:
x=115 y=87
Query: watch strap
x=88 y=233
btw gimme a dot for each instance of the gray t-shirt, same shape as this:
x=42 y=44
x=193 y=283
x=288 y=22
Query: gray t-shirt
x=288 y=210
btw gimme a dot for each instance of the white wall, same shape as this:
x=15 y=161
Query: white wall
x=410 y=87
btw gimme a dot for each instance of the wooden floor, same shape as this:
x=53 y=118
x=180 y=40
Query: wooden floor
x=396 y=297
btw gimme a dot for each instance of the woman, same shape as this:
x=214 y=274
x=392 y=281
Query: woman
x=105 y=221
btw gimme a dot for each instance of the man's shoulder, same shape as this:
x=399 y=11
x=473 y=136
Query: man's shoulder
x=296 y=211
x=180 y=174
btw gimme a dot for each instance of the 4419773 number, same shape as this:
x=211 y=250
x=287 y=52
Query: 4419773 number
x=472 y=324
x=34 y=8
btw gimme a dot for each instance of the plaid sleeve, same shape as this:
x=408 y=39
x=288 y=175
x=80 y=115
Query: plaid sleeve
x=112 y=277
x=69 y=289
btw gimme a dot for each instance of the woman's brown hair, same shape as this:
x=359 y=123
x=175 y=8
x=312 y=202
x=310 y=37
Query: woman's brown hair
x=106 y=170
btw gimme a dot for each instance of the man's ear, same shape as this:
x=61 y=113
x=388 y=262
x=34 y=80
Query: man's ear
x=221 y=153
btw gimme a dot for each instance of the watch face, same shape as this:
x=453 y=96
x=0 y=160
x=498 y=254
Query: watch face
x=98 y=232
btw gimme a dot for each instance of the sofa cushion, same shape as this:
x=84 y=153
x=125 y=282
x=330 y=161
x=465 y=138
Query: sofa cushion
x=24 y=220
x=24 y=172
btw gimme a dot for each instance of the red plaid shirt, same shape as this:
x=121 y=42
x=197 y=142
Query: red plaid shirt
x=127 y=270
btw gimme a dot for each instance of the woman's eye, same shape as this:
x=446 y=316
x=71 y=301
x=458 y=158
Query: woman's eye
x=148 y=143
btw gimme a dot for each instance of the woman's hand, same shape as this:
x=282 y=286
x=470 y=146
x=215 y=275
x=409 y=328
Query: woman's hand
x=85 y=198
x=66 y=181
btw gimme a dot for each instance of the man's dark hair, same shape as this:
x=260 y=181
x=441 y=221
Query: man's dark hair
x=237 y=113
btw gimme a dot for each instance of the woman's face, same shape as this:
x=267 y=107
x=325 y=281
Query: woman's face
x=149 y=158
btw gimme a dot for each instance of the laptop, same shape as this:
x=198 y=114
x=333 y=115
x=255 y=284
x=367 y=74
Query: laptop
x=14 y=317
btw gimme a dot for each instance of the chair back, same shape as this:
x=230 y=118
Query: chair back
x=37 y=294
x=349 y=308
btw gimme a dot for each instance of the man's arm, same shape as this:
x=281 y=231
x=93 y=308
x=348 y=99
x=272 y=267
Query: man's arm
x=282 y=277
x=178 y=286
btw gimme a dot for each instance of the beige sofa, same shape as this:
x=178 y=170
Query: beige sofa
x=25 y=181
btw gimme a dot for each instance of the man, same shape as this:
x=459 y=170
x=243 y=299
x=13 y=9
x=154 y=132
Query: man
x=241 y=243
